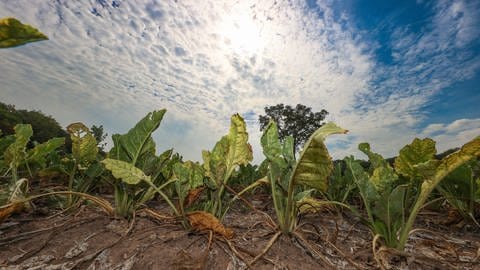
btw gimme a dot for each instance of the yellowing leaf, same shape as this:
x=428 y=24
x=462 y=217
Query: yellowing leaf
x=230 y=152
x=315 y=164
x=125 y=171
x=312 y=205
x=451 y=162
x=239 y=150
x=84 y=145
x=419 y=151
x=13 y=33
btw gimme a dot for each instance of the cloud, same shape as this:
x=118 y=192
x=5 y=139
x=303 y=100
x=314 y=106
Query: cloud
x=453 y=134
x=112 y=62
x=424 y=63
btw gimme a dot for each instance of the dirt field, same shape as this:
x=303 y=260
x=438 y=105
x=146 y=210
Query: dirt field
x=89 y=239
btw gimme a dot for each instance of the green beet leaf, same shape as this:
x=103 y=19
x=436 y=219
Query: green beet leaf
x=39 y=152
x=138 y=141
x=13 y=33
x=383 y=175
x=125 y=171
x=273 y=150
x=15 y=153
x=367 y=189
x=5 y=142
x=190 y=176
x=459 y=189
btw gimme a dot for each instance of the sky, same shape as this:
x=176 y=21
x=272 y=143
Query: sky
x=388 y=71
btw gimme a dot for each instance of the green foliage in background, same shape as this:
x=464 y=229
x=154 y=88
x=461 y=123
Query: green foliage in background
x=299 y=122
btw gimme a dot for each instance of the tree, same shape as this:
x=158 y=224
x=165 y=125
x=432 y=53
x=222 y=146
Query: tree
x=44 y=127
x=299 y=122
x=99 y=136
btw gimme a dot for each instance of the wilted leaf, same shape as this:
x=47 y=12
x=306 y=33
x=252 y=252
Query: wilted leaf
x=14 y=33
x=203 y=221
x=6 y=211
x=315 y=164
x=312 y=205
x=125 y=171
x=192 y=196
x=84 y=145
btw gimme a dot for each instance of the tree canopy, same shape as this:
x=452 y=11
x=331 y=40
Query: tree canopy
x=299 y=122
x=44 y=127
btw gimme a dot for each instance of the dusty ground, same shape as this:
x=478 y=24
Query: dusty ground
x=89 y=239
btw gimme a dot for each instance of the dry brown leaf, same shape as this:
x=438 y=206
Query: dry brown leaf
x=203 y=221
x=192 y=196
x=5 y=212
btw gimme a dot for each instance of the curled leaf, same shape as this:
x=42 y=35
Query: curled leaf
x=8 y=210
x=315 y=164
x=192 y=196
x=312 y=205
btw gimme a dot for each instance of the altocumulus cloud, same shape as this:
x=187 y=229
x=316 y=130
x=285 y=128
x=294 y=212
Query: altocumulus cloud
x=111 y=62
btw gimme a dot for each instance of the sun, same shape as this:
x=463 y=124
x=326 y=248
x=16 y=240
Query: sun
x=241 y=33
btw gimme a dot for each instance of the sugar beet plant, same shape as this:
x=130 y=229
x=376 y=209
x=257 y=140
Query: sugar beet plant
x=461 y=189
x=394 y=197
x=18 y=163
x=227 y=155
x=286 y=175
x=139 y=173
